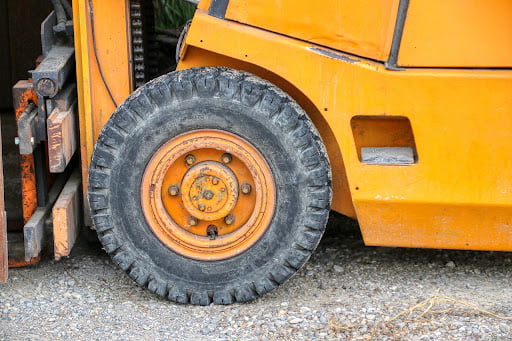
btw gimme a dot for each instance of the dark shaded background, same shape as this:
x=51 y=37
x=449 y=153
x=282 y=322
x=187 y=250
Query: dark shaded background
x=20 y=42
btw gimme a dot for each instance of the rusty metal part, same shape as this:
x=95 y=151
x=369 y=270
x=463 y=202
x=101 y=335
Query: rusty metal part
x=34 y=229
x=27 y=129
x=209 y=192
x=17 y=251
x=192 y=221
x=229 y=219
x=174 y=190
x=49 y=77
x=23 y=95
x=246 y=188
x=190 y=159
x=204 y=200
x=212 y=232
x=226 y=158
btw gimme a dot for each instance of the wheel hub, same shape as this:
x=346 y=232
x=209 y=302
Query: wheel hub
x=208 y=194
x=209 y=190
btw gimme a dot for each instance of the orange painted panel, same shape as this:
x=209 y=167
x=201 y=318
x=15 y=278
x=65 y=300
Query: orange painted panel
x=461 y=119
x=109 y=50
x=363 y=27
x=457 y=33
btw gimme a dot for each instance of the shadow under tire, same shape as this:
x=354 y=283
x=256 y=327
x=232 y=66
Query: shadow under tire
x=209 y=185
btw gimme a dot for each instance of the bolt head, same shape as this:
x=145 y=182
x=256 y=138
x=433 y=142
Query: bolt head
x=208 y=194
x=201 y=207
x=173 y=190
x=229 y=219
x=226 y=158
x=190 y=159
x=215 y=181
x=192 y=221
x=246 y=188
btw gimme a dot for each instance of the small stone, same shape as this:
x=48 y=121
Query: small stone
x=295 y=320
x=338 y=269
x=450 y=264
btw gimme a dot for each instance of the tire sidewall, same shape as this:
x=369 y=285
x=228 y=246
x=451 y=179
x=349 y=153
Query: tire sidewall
x=207 y=113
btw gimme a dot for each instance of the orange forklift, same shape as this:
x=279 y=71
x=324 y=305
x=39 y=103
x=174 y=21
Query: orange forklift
x=213 y=183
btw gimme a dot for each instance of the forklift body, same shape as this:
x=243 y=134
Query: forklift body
x=400 y=108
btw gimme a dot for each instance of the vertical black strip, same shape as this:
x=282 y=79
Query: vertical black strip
x=218 y=8
x=41 y=176
x=397 y=35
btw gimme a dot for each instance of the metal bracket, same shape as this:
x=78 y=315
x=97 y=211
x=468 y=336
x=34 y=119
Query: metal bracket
x=34 y=229
x=27 y=124
x=49 y=77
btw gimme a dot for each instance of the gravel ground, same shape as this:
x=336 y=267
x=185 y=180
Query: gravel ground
x=346 y=291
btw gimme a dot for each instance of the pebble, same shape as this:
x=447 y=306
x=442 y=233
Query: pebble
x=450 y=264
x=338 y=269
x=377 y=284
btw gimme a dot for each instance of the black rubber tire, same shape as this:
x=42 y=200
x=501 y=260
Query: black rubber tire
x=210 y=98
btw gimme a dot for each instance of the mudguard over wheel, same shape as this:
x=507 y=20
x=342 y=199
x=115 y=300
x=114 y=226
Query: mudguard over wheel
x=209 y=185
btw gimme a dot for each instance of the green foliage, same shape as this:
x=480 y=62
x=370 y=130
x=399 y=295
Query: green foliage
x=172 y=14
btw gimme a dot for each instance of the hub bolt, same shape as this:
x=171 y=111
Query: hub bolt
x=208 y=194
x=192 y=221
x=215 y=181
x=226 y=158
x=173 y=190
x=229 y=219
x=201 y=207
x=190 y=159
x=212 y=232
x=246 y=188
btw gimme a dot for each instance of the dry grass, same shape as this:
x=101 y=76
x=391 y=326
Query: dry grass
x=437 y=304
x=433 y=311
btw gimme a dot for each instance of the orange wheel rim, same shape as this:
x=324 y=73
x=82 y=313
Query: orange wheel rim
x=208 y=194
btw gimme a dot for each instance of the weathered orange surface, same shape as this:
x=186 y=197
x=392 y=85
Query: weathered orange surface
x=169 y=216
x=363 y=27
x=23 y=95
x=458 y=33
x=458 y=194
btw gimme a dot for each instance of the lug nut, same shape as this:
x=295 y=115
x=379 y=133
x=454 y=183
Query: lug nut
x=173 y=190
x=190 y=159
x=201 y=207
x=246 y=188
x=226 y=158
x=212 y=232
x=192 y=221
x=229 y=219
x=208 y=194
